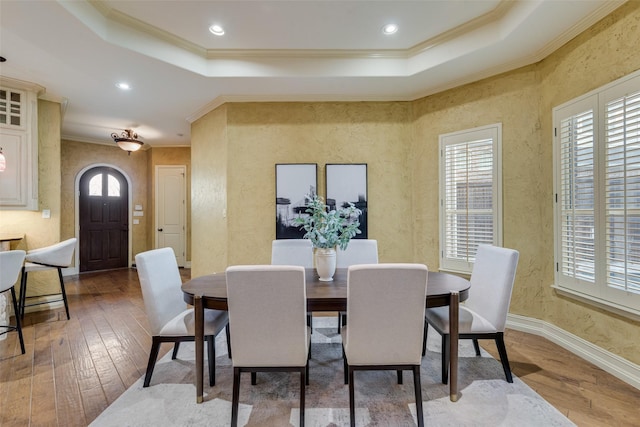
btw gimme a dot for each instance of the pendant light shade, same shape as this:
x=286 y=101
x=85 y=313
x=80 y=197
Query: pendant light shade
x=127 y=140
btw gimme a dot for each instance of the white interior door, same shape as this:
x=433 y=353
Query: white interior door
x=171 y=209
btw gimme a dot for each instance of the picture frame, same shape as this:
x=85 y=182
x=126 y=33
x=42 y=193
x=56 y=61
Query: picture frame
x=294 y=181
x=347 y=182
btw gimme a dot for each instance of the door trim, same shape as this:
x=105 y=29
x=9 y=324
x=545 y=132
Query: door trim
x=76 y=189
x=184 y=207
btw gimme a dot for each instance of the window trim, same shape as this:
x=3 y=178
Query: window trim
x=597 y=293
x=493 y=131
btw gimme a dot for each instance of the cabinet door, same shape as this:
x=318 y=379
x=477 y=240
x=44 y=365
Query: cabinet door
x=13 y=180
x=19 y=142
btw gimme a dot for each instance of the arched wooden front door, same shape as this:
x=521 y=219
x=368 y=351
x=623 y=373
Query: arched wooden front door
x=104 y=219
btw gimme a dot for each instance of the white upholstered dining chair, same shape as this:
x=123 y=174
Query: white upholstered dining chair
x=385 y=306
x=484 y=314
x=54 y=257
x=292 y=252
x=10 y=266
x=359 y=251
x=267 y=313
x=169 y=317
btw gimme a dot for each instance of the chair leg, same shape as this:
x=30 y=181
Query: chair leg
x=211 y=355
x=345 y=367
x=306 y=368
x=303 y=382
x=23 y=292
x=153 y=355
x=352 y=406
x=228 y=340
x=424 y=338
x=236 y=397
x=254 y=378
x=476 y=346
x=176 y=346
x=502 y=351
x=445 y=358
x=64 y=293
x=399 y=373
x=17 y=315
x=418 y=391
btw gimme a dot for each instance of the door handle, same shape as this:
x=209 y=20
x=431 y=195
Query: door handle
x=159 y=229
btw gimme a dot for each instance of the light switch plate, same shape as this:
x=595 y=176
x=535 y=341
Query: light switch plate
x=46 y=213
x=137 y=213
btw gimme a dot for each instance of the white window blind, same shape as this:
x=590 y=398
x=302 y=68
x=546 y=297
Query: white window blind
x=597 y=181
x=577 y=221
x=622 y=192
x=470 y=198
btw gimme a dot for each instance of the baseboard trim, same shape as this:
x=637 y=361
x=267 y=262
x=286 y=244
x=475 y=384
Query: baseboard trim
x=70 y=271
x=617 y=366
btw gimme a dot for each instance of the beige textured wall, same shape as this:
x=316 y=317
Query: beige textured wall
x=399 y=141
x=605 y=52
x=523 y=100
x=209 y=193
x=167 y=157
x=79 y=155
x=38 y=231
x=510 y=99
x=263 y=134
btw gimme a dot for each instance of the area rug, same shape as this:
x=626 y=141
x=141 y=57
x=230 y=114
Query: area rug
x=486 y=399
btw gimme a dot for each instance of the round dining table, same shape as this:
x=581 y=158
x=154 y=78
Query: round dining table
x=210 y=291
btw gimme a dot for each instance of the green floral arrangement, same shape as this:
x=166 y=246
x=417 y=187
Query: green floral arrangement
x=328 y=229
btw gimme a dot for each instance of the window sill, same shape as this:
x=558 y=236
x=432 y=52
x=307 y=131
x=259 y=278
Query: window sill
x=465 y=274
x=620 y=310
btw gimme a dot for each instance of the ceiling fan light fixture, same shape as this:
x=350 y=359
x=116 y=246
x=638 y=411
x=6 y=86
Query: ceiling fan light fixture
x=127 y=140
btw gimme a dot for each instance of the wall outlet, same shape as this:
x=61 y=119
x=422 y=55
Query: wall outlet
x=46 y=213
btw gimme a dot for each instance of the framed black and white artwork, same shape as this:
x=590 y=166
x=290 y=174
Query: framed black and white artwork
x=294 y=181
x=348 y=183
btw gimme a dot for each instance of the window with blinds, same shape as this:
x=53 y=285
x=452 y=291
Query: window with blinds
x=622 y=192
x=577 y=220
x=469 y=195
x=597 y=163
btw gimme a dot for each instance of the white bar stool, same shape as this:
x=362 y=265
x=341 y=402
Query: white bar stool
x=57 y=257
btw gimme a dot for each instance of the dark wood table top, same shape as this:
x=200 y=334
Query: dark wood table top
x=323 y=296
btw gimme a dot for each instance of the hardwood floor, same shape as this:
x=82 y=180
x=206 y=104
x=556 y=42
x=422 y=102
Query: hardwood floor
x=73 y=369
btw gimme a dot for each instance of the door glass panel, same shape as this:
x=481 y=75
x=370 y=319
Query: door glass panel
x=95 y=185
x=114 y=186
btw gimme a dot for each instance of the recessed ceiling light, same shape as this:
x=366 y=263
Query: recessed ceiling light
x=123 y=86
x=216 y=30
x=389 y=29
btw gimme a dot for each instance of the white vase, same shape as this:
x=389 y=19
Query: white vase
x=326 y=263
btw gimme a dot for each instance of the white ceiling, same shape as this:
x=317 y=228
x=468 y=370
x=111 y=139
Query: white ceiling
x=296 y=50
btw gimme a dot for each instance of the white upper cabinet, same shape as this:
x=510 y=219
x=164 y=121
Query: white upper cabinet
x=19 y=144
